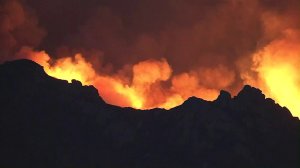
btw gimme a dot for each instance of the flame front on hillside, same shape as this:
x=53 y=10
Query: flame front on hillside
x=153 y=85
x=143 y=59
x=277 y=66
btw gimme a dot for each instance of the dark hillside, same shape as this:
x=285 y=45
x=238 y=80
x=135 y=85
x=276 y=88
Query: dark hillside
x=46 y=122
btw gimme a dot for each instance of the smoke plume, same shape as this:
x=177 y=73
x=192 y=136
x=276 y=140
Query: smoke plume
x=154 y=53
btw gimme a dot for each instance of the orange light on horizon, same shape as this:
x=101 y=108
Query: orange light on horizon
x=277 y=66
x=145 y=89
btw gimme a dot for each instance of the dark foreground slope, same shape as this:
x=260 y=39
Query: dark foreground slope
x=45 y=122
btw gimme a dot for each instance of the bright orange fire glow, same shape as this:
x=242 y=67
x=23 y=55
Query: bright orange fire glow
x=149 y=86
x=277 y=66
x=153 y=85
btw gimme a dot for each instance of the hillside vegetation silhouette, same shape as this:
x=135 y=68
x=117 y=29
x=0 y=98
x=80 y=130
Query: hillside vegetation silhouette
x=47 y=122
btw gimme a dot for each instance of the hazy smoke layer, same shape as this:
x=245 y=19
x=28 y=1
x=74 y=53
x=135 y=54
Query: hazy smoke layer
x=210 y=43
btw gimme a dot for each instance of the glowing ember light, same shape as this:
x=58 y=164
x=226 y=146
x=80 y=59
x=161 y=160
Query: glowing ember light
x=277 y=66
x=152 y=84
x=136 y=100
x=64 y=68
x=145 y=90
x=282 y=84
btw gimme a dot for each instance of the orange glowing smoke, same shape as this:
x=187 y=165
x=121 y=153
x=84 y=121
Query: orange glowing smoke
x=152 y=84
x=278 y=74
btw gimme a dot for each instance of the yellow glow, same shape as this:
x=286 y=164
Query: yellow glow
x=135 y=100
x=69 y=69
x=277 y=66
x=283 y=86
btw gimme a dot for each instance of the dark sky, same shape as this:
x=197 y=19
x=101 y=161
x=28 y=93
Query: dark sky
x=190 y=34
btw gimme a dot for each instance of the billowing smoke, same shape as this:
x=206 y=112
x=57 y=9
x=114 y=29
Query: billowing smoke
x=18 y=27
x=276 y=70
x=154 y=53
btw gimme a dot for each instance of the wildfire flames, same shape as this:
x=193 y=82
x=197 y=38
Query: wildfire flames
x=277 y=66
x=146 y=87
x=152 y=84
x=143 y=59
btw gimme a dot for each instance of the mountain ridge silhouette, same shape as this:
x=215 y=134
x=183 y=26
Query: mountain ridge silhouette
x=48 y=122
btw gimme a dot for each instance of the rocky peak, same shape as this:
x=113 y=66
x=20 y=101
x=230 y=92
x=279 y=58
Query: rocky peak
x=223 y=98
x=249 y=93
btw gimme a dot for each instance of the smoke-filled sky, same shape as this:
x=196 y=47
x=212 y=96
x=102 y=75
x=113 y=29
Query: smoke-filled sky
x=213 y=44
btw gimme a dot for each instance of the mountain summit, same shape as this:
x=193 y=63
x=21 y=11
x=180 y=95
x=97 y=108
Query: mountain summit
x=47 y=122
